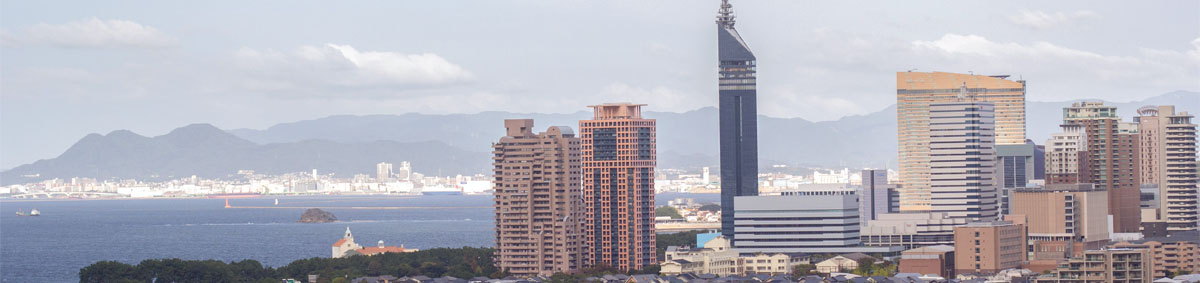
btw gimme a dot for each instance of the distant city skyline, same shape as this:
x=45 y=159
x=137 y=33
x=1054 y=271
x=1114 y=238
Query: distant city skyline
x=163 y=68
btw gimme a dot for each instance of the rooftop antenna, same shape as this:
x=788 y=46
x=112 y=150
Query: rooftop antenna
x=725 y=15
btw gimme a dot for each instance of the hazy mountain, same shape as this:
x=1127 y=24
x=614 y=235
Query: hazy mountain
x=206 y=151
x=460 y=143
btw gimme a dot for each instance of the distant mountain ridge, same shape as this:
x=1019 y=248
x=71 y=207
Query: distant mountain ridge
x=460 y=143
x=206 y=151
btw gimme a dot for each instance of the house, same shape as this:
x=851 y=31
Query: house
x=841 y=263
x=347 y=247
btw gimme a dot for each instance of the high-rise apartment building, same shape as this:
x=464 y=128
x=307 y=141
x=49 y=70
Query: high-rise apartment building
x=988 y=247
x=1112 y=160
x=1168 y=161
x=915 y=91
x=405 y=171
x=383 y=171
x=1066 y=154
x=738 y=109
x=618 y=157
x=962 y=160
x=537 y=200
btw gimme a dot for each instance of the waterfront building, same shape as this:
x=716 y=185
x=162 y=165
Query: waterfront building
x=876 y=196
x=345 y=244
x=915 y=91
x=405 y=171
x=962 y=161
x=1171 y=254
x=1111 y=265
x=1063 y=220
x=910 y=230
x=937 y=260
x=383 y=171
x=618 y=158
x=537 y=200
x=1017 y=164
x=988 y=247
x=738 y=124
x=1168 y=163
x=1112 y=158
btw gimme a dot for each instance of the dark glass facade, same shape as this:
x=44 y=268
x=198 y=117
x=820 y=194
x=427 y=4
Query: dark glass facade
x=738 y=117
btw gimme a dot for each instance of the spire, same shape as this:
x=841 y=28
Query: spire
x=348 y=233
x=725 y=15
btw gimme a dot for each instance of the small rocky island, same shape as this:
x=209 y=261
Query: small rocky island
x=316 y=215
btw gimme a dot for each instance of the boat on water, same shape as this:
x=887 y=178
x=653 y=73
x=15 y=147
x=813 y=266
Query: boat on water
x=34 y=212
x=236 y=195
x=276 y=201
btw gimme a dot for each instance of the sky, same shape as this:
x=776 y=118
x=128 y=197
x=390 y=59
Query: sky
x=70 y=68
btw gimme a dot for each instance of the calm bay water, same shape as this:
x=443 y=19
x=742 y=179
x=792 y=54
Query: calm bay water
x=72 y=234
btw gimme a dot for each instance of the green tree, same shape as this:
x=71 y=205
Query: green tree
x=667 y=211
x=109 y=271
x=803 y=270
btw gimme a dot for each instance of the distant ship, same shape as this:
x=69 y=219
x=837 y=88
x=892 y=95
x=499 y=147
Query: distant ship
x=235 y=195
x=276 y=201
x=33 y=212
x=441 y=191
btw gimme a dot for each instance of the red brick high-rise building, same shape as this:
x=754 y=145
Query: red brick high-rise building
x=538 y=204
x=618 y=186
x=1112 y=160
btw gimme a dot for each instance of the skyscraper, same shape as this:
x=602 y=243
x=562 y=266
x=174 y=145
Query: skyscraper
x=1168 y=161
x=383 y=171
x=618 y=158
x=738 y=122
x=1112 y=158
x=537 y=200
x=962 y=162
x=916 y=90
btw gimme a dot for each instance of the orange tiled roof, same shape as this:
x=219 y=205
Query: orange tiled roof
x=379 y=250
x=339 y=242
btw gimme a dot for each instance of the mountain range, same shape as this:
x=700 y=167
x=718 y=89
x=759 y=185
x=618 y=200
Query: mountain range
x=460 y=143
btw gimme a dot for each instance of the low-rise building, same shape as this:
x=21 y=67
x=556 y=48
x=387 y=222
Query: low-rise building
x=988 y=247
x=841 y=263
x=1063 y=220
x=938 y=260
x=346 y=246
x=1179 y=251
x=1111 y=265
x=717 y=258
x=910 y=230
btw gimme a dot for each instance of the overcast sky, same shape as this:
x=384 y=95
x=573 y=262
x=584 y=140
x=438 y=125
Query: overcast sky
x=72 y=68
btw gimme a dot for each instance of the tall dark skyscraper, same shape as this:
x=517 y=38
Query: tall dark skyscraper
x=739 y=112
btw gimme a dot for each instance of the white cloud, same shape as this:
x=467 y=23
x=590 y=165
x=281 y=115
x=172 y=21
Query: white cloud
x=658 y=98
x=92 y=33
x=1043 y=20
x=346 y=66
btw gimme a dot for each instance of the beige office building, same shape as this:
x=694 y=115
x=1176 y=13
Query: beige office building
x=1168 y=161
x=915 y=91
x=537 y=200
x=1063 y=220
